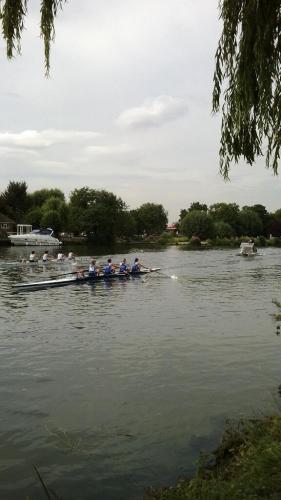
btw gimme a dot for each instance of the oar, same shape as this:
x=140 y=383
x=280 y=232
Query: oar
x=159 y=271
x=67 y=274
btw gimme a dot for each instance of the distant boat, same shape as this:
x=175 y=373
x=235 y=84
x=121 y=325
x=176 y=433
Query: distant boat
x=36 y=237
x=247 y=249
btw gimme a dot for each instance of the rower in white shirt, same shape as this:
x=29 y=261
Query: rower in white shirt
x=32 y=257
x=60 y=256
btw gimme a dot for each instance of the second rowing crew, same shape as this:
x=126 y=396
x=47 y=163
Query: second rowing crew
x=94 y=268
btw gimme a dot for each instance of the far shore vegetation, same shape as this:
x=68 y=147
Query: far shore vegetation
x=101 y=217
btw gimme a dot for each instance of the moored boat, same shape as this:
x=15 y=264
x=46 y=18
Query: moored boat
x=36 y=237
x=78 y=280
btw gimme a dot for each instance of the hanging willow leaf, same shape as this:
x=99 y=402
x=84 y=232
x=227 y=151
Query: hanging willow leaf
x=247 y=72
x=12 y=15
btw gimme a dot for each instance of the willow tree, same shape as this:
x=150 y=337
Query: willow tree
x=248 y=73
x=12 y=17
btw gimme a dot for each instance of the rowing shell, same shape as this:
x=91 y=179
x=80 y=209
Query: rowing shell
x=73 y=280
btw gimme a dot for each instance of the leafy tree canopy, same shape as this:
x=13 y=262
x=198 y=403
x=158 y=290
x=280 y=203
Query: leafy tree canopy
x=12 y=17
x=14 y=200
x=250 y=223
x=95 y=212
x=248 y=66
x=196 y=205
x=197 y=223
x=151 y=218
x=39 y=197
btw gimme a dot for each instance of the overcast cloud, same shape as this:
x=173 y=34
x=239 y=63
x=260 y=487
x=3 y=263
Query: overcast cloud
x=127 y=107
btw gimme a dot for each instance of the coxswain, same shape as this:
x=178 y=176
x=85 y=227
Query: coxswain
x=93 y=268
x=32 y=257
x=109 y=268
x=136 y=266
x=124 y=269
x=60 y=257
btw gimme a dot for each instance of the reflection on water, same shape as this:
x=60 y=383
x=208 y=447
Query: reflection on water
x=112 y=387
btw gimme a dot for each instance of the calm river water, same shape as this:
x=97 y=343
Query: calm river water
x=111 y=388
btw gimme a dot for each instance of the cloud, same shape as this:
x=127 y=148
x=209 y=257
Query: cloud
x=45 y=138
x=153 y=113
x=108 y=150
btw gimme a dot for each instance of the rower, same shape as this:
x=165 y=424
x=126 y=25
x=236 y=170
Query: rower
x=109 y=268
x=136 y=266
x=93 y=268
x=46 y=257
x=124 y=269
x=32 y=257
x=71 y=256
x=60 y=257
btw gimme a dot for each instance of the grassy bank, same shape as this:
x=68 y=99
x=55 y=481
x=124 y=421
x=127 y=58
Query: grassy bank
x=246 y=465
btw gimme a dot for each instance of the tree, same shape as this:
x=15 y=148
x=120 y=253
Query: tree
x=197 y=223
x=151 y=218
x=95 y=212
x=37 y=198
x=51 y=218
x=250 y=223
x=263 y=214
x=248 y=65
x=34 y=217
x=196 y=205
x=223 y=229
x=14 y=200
x=226 y=212
x=12 y=17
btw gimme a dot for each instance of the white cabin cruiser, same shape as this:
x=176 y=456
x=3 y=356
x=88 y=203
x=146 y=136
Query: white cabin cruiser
x=247 y=249
x=35 y=237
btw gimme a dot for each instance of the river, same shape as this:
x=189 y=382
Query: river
x=111 y=388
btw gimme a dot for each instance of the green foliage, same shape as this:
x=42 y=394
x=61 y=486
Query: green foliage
x=126 y=225
x=95 y=212
x=14 y=200
x=51 y=218
x=223 y=229
x=248 y=71
x=151 y=218
x=197 y=223
x=34 y=217
x=196 y=205
x=39 y=197
x=12 y=17
x=226 y=212
x=250 y=223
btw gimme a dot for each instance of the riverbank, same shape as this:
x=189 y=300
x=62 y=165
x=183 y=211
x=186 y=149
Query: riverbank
x=246 y=465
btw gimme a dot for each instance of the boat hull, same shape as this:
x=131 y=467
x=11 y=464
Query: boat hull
x=74 y=280
x=24 y=240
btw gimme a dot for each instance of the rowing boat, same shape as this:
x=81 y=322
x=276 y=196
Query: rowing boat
x=77 y=280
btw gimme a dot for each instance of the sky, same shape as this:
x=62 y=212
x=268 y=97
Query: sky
x=127 y=107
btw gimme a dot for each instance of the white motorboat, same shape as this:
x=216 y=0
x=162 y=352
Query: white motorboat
x=37 y=237
x=247 y=249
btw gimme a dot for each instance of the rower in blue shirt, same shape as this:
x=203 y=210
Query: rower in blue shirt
x=109 y=268
x=136 y=266
x=124 y=268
